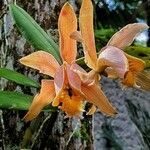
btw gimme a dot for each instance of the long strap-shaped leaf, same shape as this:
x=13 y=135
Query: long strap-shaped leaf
x=33 y=32
x=19 y=101
x=15 y=100
x=17 y=77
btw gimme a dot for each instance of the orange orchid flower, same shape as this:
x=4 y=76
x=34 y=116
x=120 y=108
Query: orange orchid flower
x=122 y=39
x=111 y=60
x=68 y=90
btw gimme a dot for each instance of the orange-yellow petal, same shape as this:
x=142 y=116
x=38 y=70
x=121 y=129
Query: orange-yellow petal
x=142 y=79
x=42 y=61
x=72 y=105
x=83 y=75
x=73 y=78
x=94 y=94
x=46 y=95
x=129 y=80
x=67 y=24
x=59 y=82
x=87 y=33
x=114 y=58
x=75 y=67
x=59 y=79
x=126 y=35
x=135 y=64
x=91 y=110
x=111 y=73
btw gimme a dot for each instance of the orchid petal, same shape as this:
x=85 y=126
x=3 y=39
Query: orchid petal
x=83 y=75
x=45 y=97
x=111 y=73
x=94 y=95
x=59 y=82
x=73 y=78
x=143 y=80
x=67 y=24
x=73 y=105
x=87 y=33
x=114 y=58
x=91 y=110
x=126 y=35
x=135 y=64
x=129 y=80
x=42 y=61
x=76 y=67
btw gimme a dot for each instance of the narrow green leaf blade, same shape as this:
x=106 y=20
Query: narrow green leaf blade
x=18 y=101
x=33 y=32
x=14 y=100
x=18 y=78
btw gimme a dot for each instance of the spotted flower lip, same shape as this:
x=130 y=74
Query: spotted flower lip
x=111 y=57
x=68 y=89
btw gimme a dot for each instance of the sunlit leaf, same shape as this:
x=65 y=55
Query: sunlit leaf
x=17 y=77
x=104 y=33
x=18 y=101
x=33 y=32
x=14 y=100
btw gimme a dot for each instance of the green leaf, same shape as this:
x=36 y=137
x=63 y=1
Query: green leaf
x=19 y=101
x=14 y=100
x=33 y=32
x=102 y=36
x=104 y=33
x=17 y=77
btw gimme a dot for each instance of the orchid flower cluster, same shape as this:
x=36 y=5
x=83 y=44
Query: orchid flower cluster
x=71 y=85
